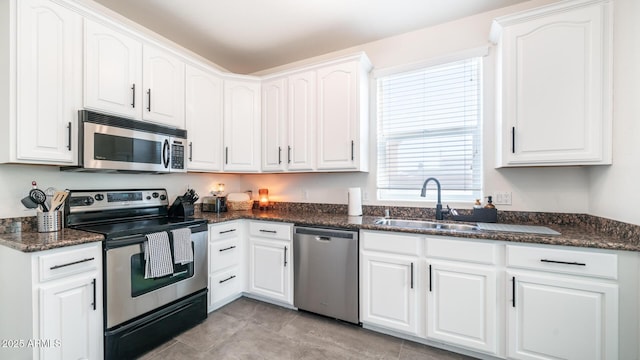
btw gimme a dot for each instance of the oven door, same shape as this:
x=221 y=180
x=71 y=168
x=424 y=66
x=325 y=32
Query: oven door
x=128 y=294
x=116 y=148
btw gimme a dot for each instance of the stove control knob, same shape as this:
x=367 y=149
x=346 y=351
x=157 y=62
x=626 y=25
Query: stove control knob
x=163 y=197
x=148 y=197
x=155 y=195
x=99 y=197
x=88 y=200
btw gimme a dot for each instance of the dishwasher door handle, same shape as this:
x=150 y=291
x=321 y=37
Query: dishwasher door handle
x=323 y=238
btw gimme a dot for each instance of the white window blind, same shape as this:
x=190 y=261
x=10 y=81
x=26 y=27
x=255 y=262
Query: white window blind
x=429 y=125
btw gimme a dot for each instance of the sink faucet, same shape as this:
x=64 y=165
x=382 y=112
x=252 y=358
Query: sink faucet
x=439 y=212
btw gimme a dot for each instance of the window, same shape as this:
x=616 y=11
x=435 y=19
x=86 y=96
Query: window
x=429 y=125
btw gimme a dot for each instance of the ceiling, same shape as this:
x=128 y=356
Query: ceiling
x=246 y=36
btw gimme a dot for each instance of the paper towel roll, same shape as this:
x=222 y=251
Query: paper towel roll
x=355 y=202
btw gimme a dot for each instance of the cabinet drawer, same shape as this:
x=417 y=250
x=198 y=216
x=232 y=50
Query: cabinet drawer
x=461 y=250
x=224 y=230
x=270 y=230
x=68 y=262
x=572 y=262
x=390 y=242
x=224 y=254
x=224 y=284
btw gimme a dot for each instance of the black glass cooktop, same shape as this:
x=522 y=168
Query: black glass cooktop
x=139 y=226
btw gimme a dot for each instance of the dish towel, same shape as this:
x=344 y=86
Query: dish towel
x=157 y=255
x=182 y=250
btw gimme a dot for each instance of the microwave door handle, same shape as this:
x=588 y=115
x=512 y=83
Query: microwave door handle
x=165 y=154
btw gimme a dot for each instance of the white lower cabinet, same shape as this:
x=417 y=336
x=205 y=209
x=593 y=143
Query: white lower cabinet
x=226 y=279
x=54 y=309
x=390 y=294
x=270 y=261
x=497 y=300
x=462 y=293
x=390 y=289
x=461 y=305
x=553 y=315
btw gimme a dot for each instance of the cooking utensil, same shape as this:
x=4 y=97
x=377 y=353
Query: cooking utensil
x=38 y=196
x=58 y=200
x=28 y=203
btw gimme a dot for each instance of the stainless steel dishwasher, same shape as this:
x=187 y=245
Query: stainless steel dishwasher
x=326 y=272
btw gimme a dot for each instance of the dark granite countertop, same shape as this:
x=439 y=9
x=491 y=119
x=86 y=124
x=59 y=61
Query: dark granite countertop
x=579 y=232
x=35 y=241
x=582 y=235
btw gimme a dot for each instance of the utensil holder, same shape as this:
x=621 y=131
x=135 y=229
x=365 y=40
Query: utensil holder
x=49 y=221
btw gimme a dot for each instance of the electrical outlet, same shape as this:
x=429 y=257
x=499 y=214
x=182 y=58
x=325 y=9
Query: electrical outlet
x=502 y=198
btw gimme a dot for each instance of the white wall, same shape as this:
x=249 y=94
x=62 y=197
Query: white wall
x=535 y=189
x=614 y=191
x=15 y=183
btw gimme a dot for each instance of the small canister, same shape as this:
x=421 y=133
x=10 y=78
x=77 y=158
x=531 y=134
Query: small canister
x=49 y=221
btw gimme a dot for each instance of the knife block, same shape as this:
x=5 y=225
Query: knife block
x=181 y=208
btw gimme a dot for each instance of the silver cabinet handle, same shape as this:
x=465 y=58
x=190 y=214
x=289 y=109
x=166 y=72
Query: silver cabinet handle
x=226 y=231
x=69 y=133
x=133 y=95
x=227 y=248
x=268 y=231
x=149 y=100
x=279 y=155
x=513 y=291
x=430 y=280
x=190 y=150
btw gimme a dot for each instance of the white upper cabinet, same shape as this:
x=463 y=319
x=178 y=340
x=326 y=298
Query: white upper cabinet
x=554 y=85
x=301 y=121
x=113 y=71
x=274 y=124
x=163 y=81
x=343 y=116
x=204 y=91
x=242 y=125
x=127 y=77
x=48 y=85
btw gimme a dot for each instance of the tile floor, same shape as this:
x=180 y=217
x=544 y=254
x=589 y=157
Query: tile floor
x=250 y=329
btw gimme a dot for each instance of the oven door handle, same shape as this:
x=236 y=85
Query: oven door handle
x=125 y=241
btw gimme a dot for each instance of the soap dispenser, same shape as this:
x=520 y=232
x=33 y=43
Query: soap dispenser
x=489 y=203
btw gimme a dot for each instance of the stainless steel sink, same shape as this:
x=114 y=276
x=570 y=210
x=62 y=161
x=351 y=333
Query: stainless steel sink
x=422 y=224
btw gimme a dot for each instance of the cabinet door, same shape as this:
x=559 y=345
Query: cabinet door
x=70 y=312
x=389 y=292
x=556 y=89
x=302 y=121
x=224 y=287
x=270 y=269
x=552 y=317
x=337 y=116
x=204 y=120
x=113 y=71
x=49 y=82
x=461 y=305
x=274 y=120
x=241 y=125
x=163 y=82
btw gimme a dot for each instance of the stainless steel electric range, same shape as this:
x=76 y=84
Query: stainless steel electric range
x=141 y=313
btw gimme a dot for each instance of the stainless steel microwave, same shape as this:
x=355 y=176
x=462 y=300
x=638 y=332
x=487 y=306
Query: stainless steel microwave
x=114 y=144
